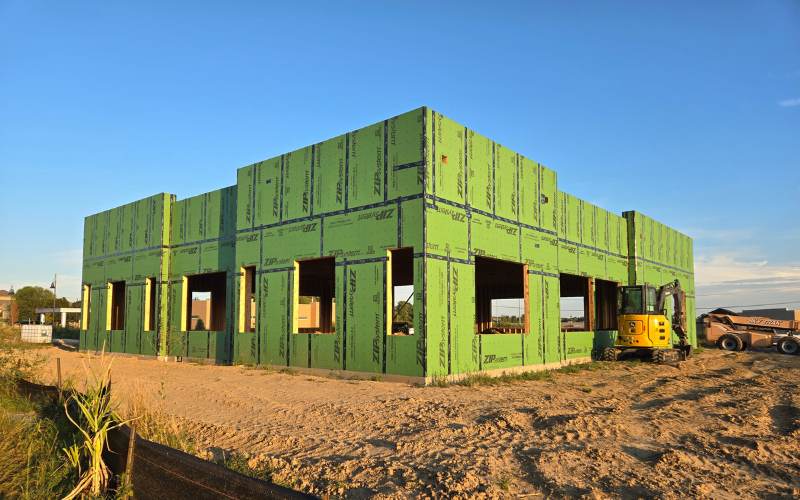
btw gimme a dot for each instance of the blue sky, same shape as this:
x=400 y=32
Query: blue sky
x=687 y=111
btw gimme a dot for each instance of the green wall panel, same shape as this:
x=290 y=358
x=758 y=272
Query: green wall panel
x=366 y=321
x=436 y=318
x=579 y=344
x=534 y=342
x=272 y=322
x=297 y=183
x=479 y=168
x=500 y=351
x=448 y=164
x=447 y=231
x=323 y=349
x=405 y=144
x=506 y=176
x=329 y=175
x=366 y=167
x=495 y=238
x=267 y=191
x=529 y=199
x=464 y=343
x=299 y=349
x=353 y=197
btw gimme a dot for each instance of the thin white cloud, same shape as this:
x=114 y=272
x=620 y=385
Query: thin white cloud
x=726 y=268
x=727 y=280
x=789 y=103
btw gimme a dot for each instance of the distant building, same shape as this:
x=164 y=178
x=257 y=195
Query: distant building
x=201 y=312
x=8 y=308
x=782 y=314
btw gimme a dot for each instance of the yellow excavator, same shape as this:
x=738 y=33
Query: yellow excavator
x=643 y=327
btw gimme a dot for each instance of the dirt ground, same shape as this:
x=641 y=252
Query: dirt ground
x=721 y=425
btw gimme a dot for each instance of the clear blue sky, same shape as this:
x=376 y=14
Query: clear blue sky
x=687 y=111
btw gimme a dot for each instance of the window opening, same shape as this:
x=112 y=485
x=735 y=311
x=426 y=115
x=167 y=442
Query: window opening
x=575 y=303
x=315 y=296
x=247 y=318
x=501 y=296
x=117 y=305
x=605 y=301
x=206 y=295
x=401 y=291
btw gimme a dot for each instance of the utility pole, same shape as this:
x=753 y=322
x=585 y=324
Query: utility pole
x=53 y=286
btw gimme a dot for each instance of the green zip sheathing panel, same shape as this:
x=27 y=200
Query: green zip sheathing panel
x=484 y=200
x=127 y=243
x=353 y=198
x=203 y=236
x=658 y=255
x=417 y=180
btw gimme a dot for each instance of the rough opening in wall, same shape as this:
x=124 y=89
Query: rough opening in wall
x=150 y=304
x=501 y=296
x=315 y=296
x=117 y=305
x=86 y=305
x=401 y=290
x=605 y=302
x=247 y=317
x=206 y=294
x=575 y=303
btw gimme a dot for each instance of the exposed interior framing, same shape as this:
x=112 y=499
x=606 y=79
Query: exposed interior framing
x=116 y=307
x=501 y=297
x=247 y=300
x=213 y=288
x=315 y=290
x=605 y=301
x=576 y=303
x=400 y=291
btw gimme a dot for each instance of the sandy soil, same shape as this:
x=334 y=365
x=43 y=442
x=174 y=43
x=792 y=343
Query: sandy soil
x=721 y=425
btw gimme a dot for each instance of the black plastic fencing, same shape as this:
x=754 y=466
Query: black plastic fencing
x=158 y=471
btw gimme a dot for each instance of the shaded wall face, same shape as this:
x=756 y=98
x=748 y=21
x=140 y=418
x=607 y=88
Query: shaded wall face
x=202 y=259
x=125 y=244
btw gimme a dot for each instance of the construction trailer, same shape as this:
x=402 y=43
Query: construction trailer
x=479 y=236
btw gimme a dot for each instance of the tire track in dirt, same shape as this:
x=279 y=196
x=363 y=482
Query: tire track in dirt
x=720 y=425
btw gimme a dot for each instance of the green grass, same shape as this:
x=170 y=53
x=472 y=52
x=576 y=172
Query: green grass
x=258 y=469
x=504 y=483
x=33 y=432
x=482 y=379
x=241 y=463
x=160 y=428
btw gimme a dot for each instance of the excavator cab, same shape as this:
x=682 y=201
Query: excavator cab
x=637 y=299
x=640 y=323
x=643 y=326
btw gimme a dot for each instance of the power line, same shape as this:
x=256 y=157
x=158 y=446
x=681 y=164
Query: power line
x=753 y=305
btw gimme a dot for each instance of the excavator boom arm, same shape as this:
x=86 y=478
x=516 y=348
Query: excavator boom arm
x=675 y=291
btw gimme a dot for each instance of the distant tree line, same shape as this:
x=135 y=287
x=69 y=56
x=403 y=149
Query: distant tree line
x=30 y=298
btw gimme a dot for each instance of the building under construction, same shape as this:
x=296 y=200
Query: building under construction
x=415 y=246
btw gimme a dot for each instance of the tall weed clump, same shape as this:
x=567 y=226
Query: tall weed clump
x=95 y=417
